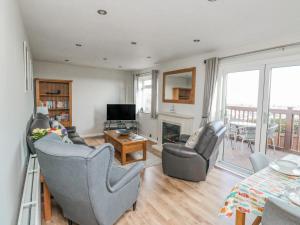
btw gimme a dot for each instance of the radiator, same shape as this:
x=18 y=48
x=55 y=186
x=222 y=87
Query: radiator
x=30 y=208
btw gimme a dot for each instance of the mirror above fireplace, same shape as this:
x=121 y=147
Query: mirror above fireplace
x=179 y=86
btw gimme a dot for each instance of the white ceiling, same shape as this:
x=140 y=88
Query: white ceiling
x=163 y=29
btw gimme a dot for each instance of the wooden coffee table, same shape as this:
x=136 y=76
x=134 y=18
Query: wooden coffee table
x=125 y=145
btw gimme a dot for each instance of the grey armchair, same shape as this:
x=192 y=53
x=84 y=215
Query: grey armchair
x=278 y=212
x=84 y=183
x=193 y=164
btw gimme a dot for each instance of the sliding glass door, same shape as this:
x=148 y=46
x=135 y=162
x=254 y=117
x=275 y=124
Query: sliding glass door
x=241 y=103
x=281 y=127
x=261 y=109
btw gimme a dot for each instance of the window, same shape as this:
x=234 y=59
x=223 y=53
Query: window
x=143 y=97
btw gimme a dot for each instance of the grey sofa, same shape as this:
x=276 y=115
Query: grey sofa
x=193 y=164
x=83 y=181
x=42 y=121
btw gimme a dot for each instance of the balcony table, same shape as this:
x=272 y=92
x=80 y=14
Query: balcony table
x=242 y=124
x=250 y=195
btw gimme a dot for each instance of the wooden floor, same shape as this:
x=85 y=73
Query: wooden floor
x=165 y=200
x=239 y=156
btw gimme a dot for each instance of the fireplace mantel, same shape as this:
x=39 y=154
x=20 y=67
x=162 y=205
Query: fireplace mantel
x=173 y=114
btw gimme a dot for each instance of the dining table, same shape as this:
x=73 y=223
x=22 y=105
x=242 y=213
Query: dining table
x=251 y=194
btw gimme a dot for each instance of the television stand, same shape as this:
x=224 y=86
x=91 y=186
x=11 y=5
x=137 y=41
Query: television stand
x=131 y=125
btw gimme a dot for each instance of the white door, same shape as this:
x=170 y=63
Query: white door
x=242 y=107
x=281 y=110
x=265 y=100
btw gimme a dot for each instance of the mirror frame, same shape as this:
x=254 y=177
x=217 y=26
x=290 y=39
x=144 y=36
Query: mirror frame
x=174 y=72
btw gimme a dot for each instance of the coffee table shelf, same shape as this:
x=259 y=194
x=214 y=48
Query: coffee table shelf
x=124 y=145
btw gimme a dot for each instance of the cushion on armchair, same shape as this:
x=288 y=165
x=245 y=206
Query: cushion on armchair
x=193 y=139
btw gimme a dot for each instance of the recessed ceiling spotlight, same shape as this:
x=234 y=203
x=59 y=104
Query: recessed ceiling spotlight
x=120 y=67
x=133 y=43
x=148 y=57
x=196 y=40
x=104 y=58
x=78 y=45
x=102 y=12
x=67 y=60
x=212 y=0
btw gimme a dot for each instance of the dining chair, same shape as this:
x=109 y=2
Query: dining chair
x=278 y=212
x=259 y=161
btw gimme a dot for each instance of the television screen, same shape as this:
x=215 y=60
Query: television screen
x=120 y=112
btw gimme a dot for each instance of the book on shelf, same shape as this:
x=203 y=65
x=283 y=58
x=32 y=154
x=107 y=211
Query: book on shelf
x=53 y=104
x=60 y=117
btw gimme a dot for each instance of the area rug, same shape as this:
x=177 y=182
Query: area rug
x=152 y=160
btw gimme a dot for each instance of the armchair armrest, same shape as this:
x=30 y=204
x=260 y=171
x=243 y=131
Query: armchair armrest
x=129 y=175
x=183 y=138
x=179 y=150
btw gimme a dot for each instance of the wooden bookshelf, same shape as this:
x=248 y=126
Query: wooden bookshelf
x=182 y=93
x=57 y=96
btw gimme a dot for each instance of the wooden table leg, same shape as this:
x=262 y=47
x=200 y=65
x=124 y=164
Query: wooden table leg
x=257 y=221
x=144 y=150
x=47 y=202
x=123 y=157
x=240 y=218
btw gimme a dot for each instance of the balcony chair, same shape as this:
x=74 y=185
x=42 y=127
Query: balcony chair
x=193 y=164
x=83 y=181
x=278 y=212
x=231 y=134
x=247 y=134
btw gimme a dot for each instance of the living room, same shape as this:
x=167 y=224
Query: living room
x=150 y=112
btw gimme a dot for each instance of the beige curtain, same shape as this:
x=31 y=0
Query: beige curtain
x=211 y=75
x=154 y=94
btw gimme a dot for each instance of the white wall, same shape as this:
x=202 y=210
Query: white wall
x=150 y=126
x=16 y=108
x=93 y=89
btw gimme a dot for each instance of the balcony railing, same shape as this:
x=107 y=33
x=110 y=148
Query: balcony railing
x=287 y=135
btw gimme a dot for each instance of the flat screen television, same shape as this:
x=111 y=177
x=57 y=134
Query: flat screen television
x=120 y=112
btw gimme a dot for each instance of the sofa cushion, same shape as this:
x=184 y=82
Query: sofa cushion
x=40 y=121
x=77 y=140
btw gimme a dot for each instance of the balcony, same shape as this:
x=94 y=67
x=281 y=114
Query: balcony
x=286 y=137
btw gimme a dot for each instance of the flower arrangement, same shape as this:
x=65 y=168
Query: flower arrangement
x=38 y=133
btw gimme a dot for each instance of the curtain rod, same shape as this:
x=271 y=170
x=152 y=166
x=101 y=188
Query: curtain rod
x=260 y=50
x=143 y=73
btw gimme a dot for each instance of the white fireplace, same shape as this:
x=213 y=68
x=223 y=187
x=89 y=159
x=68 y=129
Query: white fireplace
x=184 y=121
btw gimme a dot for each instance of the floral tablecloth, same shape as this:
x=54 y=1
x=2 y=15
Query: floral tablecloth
x=250 y=195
